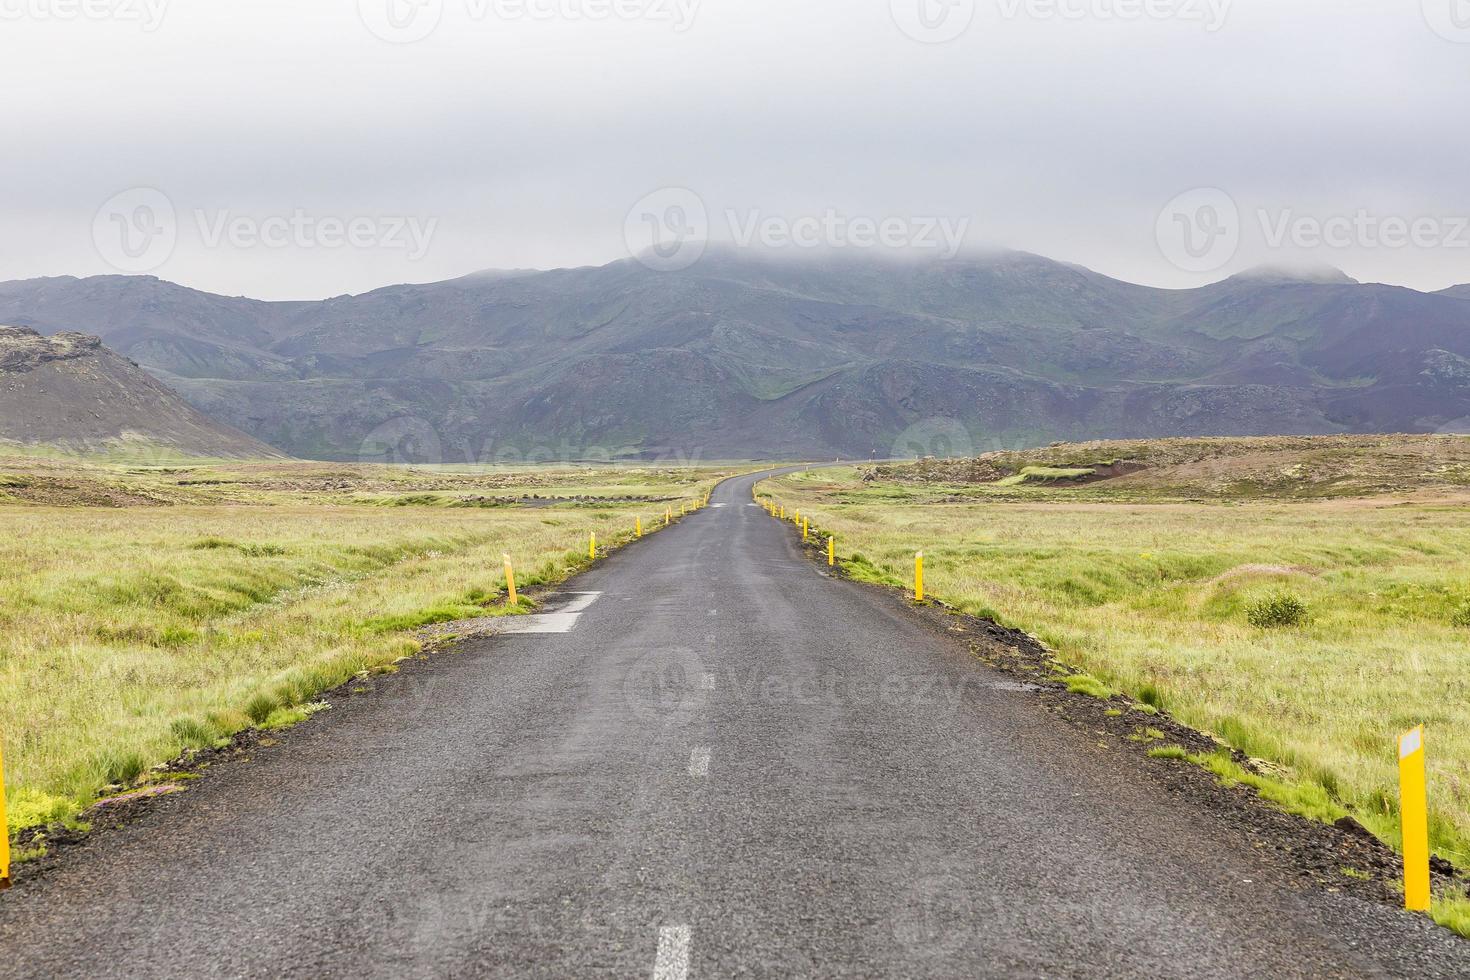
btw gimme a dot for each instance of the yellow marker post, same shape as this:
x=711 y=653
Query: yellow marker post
x=783 y=512
x=4 y=829
x=831 y=552
x=1414 y=809
x=638 y=526
x=668 y=516
x=592 y=547
x=803 y=530
x=919 y=576
x=510 y=582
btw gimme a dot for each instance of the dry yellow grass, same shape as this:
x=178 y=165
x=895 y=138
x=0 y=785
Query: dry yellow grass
x=1154 y=599
x=128 y=634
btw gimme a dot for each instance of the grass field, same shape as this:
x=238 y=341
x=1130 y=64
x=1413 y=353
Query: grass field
x=1306 y=627
x=148 y=610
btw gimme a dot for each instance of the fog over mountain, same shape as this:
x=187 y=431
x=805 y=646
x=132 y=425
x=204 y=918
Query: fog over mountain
x=521 y=134
x=745 y=355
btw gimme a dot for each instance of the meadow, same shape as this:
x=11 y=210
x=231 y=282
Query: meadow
x=148 y=610
x=1305 y=627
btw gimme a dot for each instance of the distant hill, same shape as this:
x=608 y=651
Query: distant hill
x=747 y=356
x=1290 y=467
x=70 y=392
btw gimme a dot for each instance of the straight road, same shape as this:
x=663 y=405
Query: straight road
x=718 y=763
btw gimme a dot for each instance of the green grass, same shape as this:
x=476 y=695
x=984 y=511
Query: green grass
x=129 y=634
x=1045 y=474
x=1306 y=632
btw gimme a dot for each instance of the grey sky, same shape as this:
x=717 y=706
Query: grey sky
x=511 y=137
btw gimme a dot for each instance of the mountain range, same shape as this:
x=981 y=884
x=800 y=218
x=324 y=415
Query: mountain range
x=746 y=355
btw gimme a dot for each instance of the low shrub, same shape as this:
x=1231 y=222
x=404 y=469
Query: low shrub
x=1280 y=609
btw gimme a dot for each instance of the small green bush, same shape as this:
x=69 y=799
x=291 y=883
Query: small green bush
x=1277 y=610
x=1460 y=617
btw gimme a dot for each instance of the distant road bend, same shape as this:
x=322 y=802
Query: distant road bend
x=717 y=762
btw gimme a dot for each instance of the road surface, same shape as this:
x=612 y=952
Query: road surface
x=716 y=762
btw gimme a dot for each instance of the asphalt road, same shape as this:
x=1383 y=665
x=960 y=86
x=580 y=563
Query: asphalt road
x=727 y=765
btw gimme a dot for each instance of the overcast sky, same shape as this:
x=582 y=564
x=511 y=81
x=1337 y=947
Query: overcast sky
x=307 y=148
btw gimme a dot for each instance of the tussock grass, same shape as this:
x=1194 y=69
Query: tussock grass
x=129 y=634
x=1155 y=601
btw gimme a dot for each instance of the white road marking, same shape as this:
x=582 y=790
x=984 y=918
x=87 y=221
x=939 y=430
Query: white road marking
x=672 y=962
x=561 y=621
x=717 y=505
x=580 y=603
x=699 y=763
x=707 y=683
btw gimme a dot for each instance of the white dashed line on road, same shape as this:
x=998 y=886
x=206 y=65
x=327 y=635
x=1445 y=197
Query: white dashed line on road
x=707 y=682
x=672 y=962
x=699 y=763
